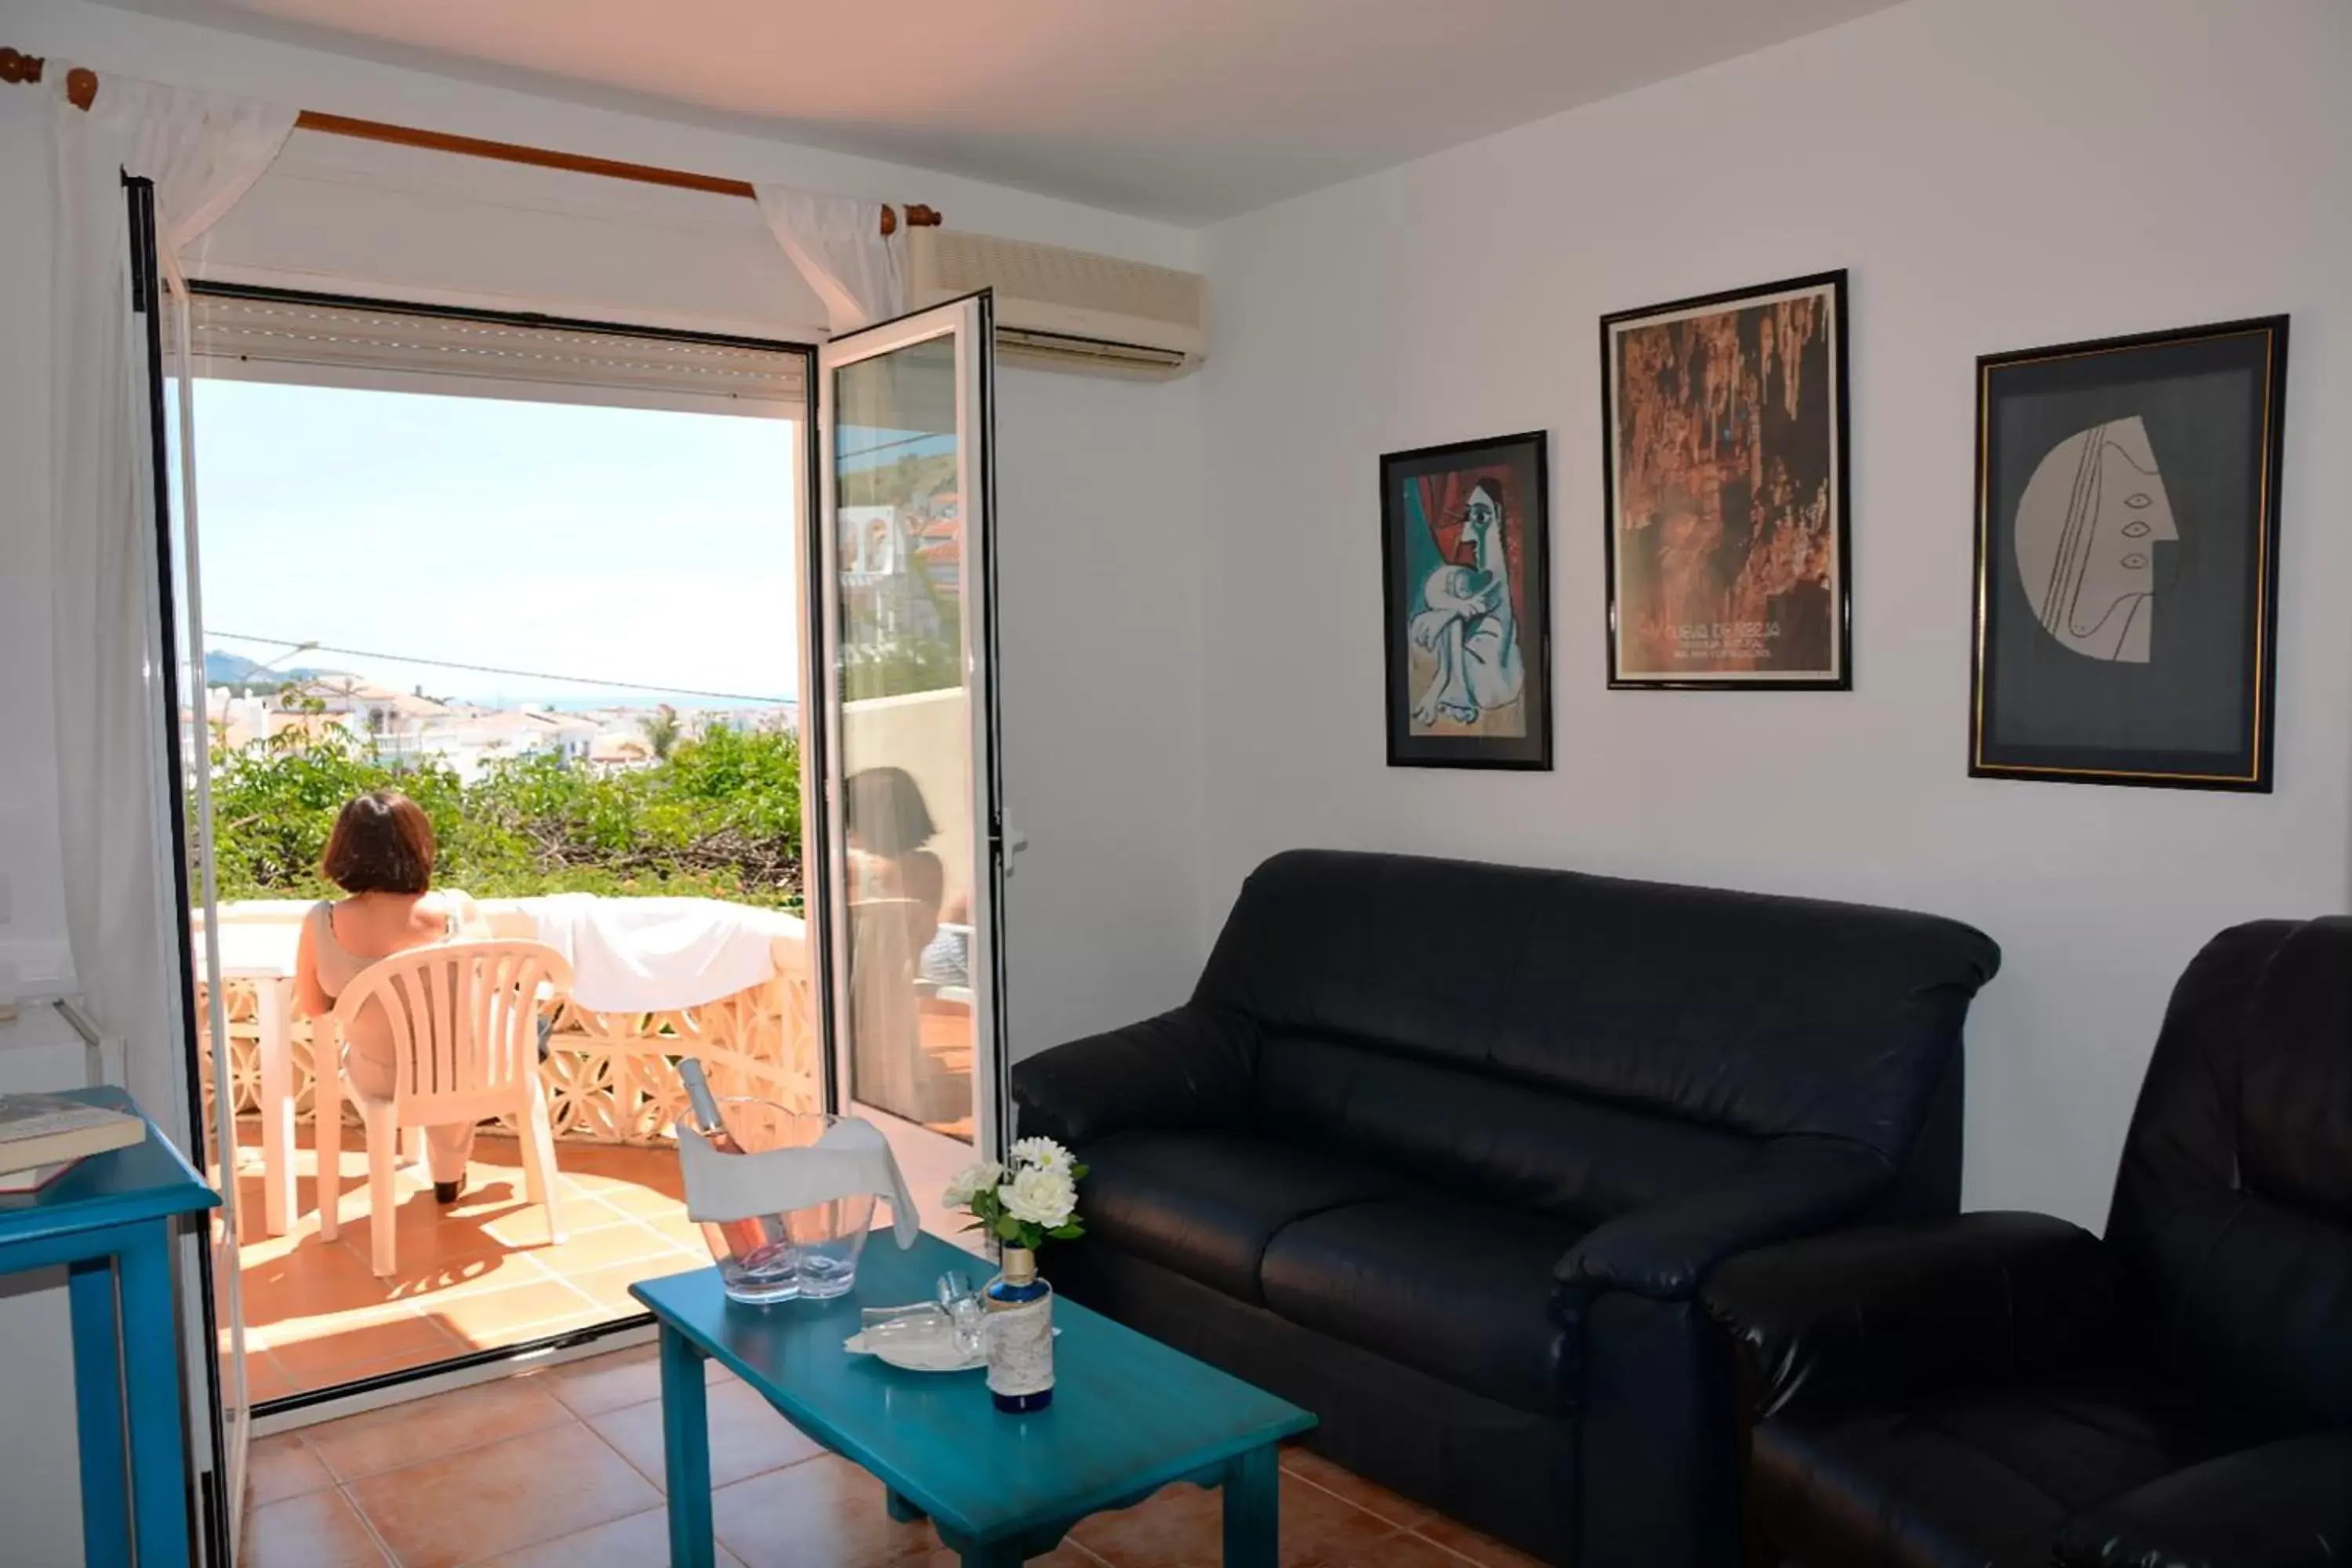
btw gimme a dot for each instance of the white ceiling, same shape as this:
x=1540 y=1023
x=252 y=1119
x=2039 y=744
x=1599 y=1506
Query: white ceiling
x=1184 y=110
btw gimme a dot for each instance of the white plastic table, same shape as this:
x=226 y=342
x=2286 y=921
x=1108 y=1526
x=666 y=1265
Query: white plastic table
x=263 y=952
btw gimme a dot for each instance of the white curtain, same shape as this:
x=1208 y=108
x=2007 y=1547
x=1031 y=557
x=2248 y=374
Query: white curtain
x=203 y=152
x=837 y=244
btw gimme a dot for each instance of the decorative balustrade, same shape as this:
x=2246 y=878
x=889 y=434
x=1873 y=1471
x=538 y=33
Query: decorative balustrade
x=611 y=1077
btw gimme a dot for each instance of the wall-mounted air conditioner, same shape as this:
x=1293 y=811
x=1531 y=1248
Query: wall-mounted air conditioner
x=1066 y=308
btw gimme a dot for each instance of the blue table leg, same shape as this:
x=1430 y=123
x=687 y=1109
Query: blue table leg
x=151 y=1371
x=1253 y=1508
x=98 y=1409
x=685 y=1451
x=899 y=1508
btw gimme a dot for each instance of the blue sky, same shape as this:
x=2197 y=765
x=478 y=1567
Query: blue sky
x=610 y=543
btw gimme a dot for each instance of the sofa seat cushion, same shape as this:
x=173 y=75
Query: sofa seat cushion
x=1976 y=1476
x=1206 y=1203
x=1453 y=1288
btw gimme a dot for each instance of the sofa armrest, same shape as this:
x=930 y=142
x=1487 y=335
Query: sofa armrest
x=1881 y=1312
x=1666 y=1250
x=2284 y=1505
x=1195 y=1067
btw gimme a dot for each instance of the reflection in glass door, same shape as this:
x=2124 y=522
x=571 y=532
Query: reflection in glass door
x=912 y=840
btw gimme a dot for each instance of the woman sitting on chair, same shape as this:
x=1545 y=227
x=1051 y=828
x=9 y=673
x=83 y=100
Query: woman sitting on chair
x=381 y=853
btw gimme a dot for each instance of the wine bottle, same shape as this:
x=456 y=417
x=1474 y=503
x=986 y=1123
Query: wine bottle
x=747 y=1240
x=1019 y=1335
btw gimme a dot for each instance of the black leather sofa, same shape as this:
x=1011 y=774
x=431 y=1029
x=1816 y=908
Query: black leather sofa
x=1444 y=1153
x=2007 y=1389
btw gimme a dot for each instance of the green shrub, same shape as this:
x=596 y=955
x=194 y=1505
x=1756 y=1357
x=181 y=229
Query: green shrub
x=719 y=817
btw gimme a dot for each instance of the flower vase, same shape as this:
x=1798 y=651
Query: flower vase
x=1020 y=1334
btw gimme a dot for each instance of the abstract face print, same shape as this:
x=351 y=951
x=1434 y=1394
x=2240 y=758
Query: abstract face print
x=2087 y=528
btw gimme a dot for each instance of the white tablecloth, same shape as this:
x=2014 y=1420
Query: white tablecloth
x=652 y=955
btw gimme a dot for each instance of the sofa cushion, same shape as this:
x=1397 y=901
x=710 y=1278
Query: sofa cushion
x=1486 y=1138
x=1976 y=1477
x=1454 y=1289
x=1206 y=1203
x=1750 y=1013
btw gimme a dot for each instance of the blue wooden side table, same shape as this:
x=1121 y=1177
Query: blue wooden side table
x=1130 y=1416
x=109 y=1221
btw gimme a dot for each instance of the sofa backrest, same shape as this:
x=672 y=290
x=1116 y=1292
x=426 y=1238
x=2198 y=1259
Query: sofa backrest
x=1583 y=1043
x=2233 y=1205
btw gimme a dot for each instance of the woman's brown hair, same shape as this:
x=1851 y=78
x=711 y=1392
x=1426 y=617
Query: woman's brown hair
x=383 y=843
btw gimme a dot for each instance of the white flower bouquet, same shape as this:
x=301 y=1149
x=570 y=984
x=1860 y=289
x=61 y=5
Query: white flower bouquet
x=1031 y=1197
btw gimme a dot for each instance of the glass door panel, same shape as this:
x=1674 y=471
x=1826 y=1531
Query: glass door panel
x=180 y=614
x=912 y=840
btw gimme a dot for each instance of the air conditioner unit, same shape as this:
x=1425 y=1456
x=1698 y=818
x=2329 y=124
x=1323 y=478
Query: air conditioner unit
x=1065 y=308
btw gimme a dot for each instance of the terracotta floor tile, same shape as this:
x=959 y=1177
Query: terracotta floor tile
x=644 y=1200
x=640 y=1540
x=615 y=1381
x=315 y=1278
x=824 y=1513
x=391 y=1342
x=505 y=1317
x=609 y=1287
x=1183 y=1527
x=423 y=1276
x=518 y=1492
x=427 y=1428
x=280 y=1466
x=1309 y=1466
x=584 y=1251
x=1069 y=1555
x=1179 y=1516
x=1402 y=1550
x=747 y=1437
x=1482 y=1550
x=265 y=1379
x=317 y=1530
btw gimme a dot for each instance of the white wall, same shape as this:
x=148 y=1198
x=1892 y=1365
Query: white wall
x=1997 y=173
x=1099 y=497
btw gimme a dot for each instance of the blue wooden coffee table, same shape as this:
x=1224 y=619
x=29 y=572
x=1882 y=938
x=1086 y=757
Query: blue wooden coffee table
x=1130 y=1416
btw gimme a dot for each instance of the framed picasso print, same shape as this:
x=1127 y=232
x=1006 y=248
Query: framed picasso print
x=2127 y=567
x=1465 y=547
x=1725 y=486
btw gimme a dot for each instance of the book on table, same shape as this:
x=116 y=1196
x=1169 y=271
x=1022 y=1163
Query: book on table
x=41 y=1134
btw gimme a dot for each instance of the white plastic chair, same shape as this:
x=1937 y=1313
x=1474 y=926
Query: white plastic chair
x=465 y=1032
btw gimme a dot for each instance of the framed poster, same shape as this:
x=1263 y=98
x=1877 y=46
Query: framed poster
x=1464 y=549
x=2127 y=578
x=1725 y=430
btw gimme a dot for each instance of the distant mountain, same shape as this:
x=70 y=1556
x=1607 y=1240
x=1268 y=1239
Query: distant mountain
x=235 y=669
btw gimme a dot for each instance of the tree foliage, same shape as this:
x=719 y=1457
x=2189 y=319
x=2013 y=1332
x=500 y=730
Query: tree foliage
x=718 y=817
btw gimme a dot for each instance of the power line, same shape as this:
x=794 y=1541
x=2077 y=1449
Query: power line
x=305 y=646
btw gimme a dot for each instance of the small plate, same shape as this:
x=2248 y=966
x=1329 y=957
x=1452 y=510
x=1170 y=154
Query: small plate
x=919 y=1355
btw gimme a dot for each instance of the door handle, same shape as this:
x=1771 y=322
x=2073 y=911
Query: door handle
x=1009 y=842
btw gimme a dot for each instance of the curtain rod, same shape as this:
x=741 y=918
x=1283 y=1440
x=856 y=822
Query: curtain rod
x=81 y=90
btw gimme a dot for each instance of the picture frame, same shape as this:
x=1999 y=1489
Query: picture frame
x=1466 y=554
x=1725 y=486
x=2126 y=622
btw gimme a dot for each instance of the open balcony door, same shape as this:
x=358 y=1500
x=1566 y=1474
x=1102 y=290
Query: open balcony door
x=912 y=841
x=178 y=606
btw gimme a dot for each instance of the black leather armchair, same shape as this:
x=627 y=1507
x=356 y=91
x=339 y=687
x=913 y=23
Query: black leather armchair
x=2007 y=1389
x=1445 y=1152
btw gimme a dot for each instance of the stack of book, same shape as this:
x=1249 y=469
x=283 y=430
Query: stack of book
x=43 y=1136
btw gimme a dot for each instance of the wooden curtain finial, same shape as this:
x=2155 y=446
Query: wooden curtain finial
x=81 y=86
x=921 y=216
x=16 y=66
x=889 y=220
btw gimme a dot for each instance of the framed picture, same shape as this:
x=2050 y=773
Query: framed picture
x=1465 y=546
x=1725 y=430
x=2126 y=586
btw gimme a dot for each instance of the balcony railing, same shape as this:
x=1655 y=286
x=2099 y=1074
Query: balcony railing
x=611 y=1077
